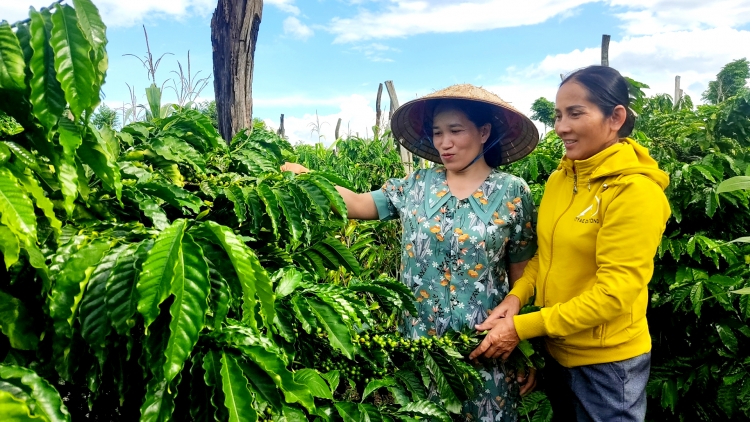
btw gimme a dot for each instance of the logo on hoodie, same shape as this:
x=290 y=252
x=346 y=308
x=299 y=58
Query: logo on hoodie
x=589 y=215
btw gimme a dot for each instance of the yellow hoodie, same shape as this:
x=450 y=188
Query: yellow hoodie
x=600 y=223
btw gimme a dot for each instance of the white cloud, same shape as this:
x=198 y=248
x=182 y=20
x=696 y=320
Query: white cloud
x=697 y=56
x=376 y=52
x=285 y=6
x=400 y=18
x=293 y=27
x=116 y=12
x=356 y=113
x=656 y=16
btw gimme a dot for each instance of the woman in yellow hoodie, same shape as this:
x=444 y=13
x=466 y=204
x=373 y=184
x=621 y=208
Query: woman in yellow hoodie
x=600 y=222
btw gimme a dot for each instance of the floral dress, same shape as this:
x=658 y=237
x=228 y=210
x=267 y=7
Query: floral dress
x=454 y=258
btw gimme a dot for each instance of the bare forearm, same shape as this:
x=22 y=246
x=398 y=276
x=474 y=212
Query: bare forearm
x=360 y=206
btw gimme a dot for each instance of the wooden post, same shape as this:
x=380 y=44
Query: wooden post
x=378 y=111
x=234 y=32
x=338 y=126
x=281 y=131
x=605 y=50
x=406 y=156
x=677 y=91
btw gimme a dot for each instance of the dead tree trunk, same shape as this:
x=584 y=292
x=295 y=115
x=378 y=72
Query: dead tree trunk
x=234 y=33
x=605 y=50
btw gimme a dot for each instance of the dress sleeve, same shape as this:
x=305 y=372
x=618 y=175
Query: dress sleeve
x=523 y=242
x=391 y=198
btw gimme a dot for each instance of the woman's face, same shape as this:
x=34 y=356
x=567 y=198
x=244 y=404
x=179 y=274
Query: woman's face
x=457 y=139
x=581 y=125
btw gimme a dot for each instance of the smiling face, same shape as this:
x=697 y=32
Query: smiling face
x=457 y=139
x=582 y=125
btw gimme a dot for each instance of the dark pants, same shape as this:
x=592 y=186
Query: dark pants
x=607 y=392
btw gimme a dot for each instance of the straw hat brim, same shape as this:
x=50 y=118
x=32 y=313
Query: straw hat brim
x=519 y=139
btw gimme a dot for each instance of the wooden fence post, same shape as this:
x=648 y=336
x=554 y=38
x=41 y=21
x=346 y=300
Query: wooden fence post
x=281 y=131
x=338 y=126
x=378 y=111
x=677 y=92
x=406 y=157
x=605 y=50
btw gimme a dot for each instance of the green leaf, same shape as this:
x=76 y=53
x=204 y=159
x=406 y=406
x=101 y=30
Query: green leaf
x=234 y=194
x=407 y=297
x=331 y=193
x=314 y=382
x=66 y=295
x=95 y=324
x=122 y=294
x=173 y=195
x=412 y=383
x=745 y=239
x=16 y=323
x=12 y=64
x=94 y=153
x=348 y=411
x=159 y=271
x=220 y=295
x=252 y=275
x=276 y=369
x=190 y=289
x=179 y=151
x=16 y=209
x=149 y=207
x=733 y=184
x=158 y=405
x=200 y=393
x=291 y=214
x=9 y=246
x=294 y=415
x=377 y=383
x=212 y=376
x=338 y=332
x=70 y=140
x=342 y=254
x=31 y=185
x=14 y=409
x=426 y=409
x=45 y=400
x=728 y=338
x=696 y=297
x=289 y=280
x=303 y=313
x=153 y=97
x=47 y=96
x=317 y=198
x=333 y=378
x=95 y=32
x=262 y=384
x=272 y=207
x=237 y=396
x=744 y=291
x=72 y=62
x=447 y=395
x=712 y=203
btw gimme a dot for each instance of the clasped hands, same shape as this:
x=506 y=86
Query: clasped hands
x=502 y=338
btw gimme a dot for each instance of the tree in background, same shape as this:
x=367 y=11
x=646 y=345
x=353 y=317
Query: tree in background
x=729 y=81
x=105 y=116
x=543 y=110
x=208 y=109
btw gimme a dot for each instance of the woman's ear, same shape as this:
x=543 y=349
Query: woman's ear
x=484 y=132
x=618 y=117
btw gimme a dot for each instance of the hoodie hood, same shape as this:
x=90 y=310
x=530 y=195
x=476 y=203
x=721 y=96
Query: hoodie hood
x=626 y=157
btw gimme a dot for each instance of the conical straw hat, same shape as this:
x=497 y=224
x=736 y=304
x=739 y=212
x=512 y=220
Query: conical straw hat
x=519 y=138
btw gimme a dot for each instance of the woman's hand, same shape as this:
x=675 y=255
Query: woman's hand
x=527 y=381
x=499 y=341
x=510 y=306
x=294 y=168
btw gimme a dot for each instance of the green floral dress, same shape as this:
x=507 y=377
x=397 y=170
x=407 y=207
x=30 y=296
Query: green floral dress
x=454 y=258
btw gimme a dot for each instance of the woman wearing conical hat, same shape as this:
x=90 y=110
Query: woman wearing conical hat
x=468 y=228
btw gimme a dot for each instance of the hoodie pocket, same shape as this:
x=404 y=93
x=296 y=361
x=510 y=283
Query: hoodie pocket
x=598 y=331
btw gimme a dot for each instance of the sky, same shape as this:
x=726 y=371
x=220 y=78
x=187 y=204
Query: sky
x=320 y=60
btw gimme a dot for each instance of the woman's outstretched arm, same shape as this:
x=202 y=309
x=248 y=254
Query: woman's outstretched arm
x=360 y=206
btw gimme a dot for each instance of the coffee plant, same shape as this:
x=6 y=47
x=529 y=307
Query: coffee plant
x=157 y=273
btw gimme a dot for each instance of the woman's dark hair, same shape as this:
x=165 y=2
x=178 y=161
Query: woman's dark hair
x=478 y=113
x=607 y=89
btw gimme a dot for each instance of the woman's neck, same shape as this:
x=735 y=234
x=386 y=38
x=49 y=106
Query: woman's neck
x=465 y=182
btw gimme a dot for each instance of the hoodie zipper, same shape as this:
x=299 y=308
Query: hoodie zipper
x=552 y=238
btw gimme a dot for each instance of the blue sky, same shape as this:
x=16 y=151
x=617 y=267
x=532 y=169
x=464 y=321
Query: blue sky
x=328 y=56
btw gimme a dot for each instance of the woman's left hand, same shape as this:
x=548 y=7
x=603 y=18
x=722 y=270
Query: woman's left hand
x=499 y=341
